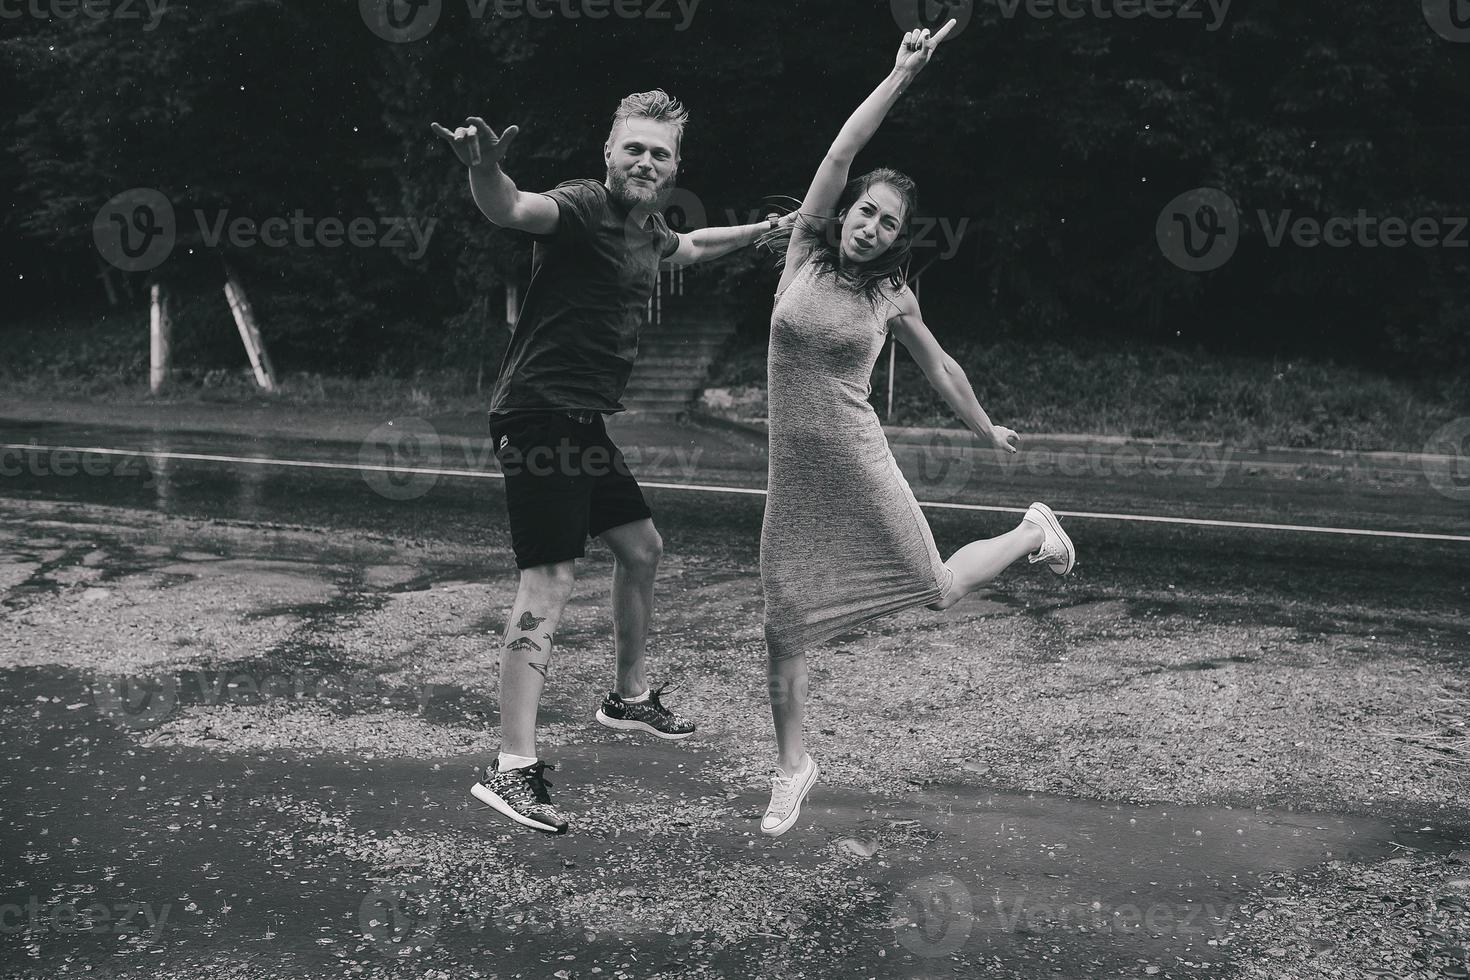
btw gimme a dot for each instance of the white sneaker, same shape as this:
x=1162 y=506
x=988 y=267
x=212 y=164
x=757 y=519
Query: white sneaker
x=787 y=794
x=1056 y=550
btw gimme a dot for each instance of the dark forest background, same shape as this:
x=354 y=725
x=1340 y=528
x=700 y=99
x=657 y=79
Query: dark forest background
x=1059 y=140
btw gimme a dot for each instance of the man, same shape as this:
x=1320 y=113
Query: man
x=594 y=266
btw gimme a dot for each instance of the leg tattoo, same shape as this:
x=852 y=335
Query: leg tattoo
x=524 y=644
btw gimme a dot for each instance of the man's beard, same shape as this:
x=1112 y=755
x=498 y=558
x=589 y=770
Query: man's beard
x=632 y=194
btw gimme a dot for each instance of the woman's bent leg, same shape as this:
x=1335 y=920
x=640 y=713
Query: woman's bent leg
x=980 y=562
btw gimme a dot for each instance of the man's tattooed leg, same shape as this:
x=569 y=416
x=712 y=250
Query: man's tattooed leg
x=520 y=638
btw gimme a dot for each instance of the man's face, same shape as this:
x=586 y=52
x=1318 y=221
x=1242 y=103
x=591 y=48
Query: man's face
x=642 y=157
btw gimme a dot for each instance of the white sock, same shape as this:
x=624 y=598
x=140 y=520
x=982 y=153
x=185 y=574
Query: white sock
x=638 y=700
x=507 y=761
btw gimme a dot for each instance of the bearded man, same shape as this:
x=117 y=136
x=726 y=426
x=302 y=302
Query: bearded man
x=597 y=252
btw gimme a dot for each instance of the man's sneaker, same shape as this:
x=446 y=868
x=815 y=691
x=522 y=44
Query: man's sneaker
x=1056 y=550
x=644 y=716
x=787 y=795
x=521 y=795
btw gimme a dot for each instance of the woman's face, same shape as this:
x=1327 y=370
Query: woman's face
x=871 y=225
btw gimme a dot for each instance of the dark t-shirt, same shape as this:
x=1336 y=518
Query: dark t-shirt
x=577 y=336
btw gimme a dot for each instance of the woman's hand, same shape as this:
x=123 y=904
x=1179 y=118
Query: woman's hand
x=1006 y=439
x=917 y=47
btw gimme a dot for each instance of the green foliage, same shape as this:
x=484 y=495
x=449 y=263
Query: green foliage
x=1059 y=140
x=1153 y=391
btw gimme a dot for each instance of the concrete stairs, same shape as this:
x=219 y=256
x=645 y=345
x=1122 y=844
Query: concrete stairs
x=674 y=356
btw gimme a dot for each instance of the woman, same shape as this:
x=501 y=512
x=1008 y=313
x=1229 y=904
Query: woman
x=843 y=540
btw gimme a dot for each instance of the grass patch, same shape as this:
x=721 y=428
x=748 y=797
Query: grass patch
x=423 y=393
x=1140 y=391
x=1158 y=392
x=105 y=358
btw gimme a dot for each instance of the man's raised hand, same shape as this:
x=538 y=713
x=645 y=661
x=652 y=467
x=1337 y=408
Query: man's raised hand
x=475 y=143
x=918 y=46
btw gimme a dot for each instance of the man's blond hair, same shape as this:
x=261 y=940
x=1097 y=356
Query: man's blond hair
x=657 y=105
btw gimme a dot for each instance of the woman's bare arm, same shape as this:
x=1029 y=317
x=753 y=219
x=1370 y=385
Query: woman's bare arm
x=945 y=373
x=914 y=53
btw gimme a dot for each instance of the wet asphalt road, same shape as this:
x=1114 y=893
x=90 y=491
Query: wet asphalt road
x=1268 y=568
x=1265 y=574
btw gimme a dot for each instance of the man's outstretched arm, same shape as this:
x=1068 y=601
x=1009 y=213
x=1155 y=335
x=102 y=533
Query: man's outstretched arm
x=704 y=244
x=481 y=150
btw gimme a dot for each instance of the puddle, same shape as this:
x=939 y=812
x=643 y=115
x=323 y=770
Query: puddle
x=253 y=859
x=1216 y=664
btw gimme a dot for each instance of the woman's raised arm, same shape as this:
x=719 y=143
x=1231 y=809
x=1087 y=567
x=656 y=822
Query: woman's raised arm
x=914 y=53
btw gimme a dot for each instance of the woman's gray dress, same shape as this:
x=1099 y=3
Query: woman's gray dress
x=843 y=540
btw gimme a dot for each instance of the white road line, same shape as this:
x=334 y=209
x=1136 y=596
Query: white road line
x=711 y=488
x=1207 y=522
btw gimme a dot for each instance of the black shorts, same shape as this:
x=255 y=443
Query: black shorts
x=565 y=481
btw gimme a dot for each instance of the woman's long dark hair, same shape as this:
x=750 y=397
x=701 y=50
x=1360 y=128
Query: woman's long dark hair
x=890 y=268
